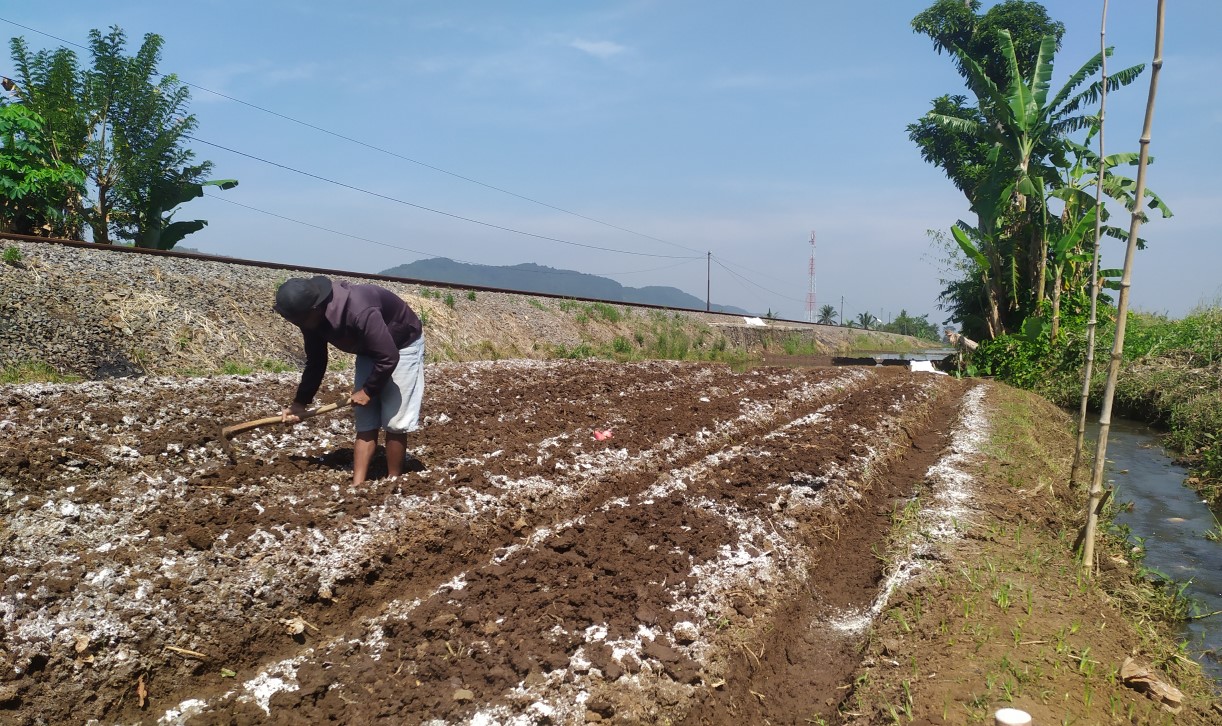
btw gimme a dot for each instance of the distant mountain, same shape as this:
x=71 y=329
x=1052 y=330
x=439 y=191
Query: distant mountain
x=530 y=277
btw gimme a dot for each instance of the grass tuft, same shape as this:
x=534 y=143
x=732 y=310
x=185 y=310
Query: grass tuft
x=34 y=372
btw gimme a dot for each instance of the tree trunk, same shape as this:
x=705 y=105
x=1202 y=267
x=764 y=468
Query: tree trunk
x=1056 y=305
x=995 y=293
x=1122 y=309
x=1039 y=258
x=101 y=221
x=996 y=328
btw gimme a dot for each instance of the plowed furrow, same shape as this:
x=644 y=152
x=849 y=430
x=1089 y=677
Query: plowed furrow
x=690 y=554
x=519 y=564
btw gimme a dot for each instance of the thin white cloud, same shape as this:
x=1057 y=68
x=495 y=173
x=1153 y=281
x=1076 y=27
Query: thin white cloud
x=598 y=48
x=297 y=72
x=262 y=74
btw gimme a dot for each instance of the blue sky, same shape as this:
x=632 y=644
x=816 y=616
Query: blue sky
x=659 y=128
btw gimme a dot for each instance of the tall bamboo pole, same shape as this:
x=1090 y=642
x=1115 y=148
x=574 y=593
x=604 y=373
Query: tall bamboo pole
x=1122 y=309
x=1094 y=267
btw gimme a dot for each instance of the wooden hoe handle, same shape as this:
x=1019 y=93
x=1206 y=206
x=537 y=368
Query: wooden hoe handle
x=248 y=425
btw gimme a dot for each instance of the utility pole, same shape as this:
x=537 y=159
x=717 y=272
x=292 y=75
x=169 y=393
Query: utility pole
x=810 y=295
x=708 y=282
x=842 y=309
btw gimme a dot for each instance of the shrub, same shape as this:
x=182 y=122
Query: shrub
x=449 y=301
x=605 y=312
x=234 y=368
x=1197 y=337
x=12 y=255
x=275 y=366
x=1169 y=377
x=1016 y=359
x=577 y=352
x=798 y=344
x=488 y=350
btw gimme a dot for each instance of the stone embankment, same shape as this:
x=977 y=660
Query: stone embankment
x=102 y=312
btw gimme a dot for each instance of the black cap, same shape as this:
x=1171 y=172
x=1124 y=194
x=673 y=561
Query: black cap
x=298 y=296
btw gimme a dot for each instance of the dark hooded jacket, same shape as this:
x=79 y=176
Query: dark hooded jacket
x=363 y=319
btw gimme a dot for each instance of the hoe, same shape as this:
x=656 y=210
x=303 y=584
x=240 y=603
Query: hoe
x=229 y=431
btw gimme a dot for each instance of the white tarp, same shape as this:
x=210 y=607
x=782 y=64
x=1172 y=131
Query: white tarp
x=923 y=366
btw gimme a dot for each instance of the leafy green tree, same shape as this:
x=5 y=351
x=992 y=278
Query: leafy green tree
x=865 y=320
x=125 y=125
x=954 y=24
x=34 y=188
x=917 y=326
x=954 y=136
x=1028 y=133
x=827 y=315
x=48 y=83
x=1022 y=133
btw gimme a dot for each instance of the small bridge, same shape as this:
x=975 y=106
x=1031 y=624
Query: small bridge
x=939 y=357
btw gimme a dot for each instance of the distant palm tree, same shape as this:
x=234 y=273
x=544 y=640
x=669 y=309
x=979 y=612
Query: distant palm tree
x=866 y=320
x=827 y=315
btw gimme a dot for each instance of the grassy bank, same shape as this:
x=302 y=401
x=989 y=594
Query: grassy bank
x=1006 y=618
x=1171 y=377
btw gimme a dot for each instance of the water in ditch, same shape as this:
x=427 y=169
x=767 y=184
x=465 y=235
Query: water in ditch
x=1172 y=520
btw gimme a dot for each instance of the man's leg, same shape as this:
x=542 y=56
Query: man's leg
x=396 y=452
x=401 y=405
x=362 y=454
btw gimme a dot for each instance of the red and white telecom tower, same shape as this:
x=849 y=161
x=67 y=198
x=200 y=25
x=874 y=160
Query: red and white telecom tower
x=810 y=295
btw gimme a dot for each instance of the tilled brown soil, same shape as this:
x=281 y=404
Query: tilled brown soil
x=712 y=561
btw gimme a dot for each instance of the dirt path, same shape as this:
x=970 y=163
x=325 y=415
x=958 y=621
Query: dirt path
x=699 y=564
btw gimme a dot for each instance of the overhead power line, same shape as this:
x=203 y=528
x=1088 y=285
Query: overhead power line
x=382 y=150
x=430 y=209
x=720 y=263
x=426 y=253
x=379 y=149
x=753 y=284
x=754 y=272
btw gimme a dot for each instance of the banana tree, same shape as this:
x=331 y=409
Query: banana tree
x=1077 y=180
x=160 y=232
x=1028 y=132
x=1068 y=250
x=1076 y=184
x=989 y=249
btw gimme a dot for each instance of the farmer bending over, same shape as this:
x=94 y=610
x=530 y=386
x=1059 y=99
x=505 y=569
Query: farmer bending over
x=388 y=341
